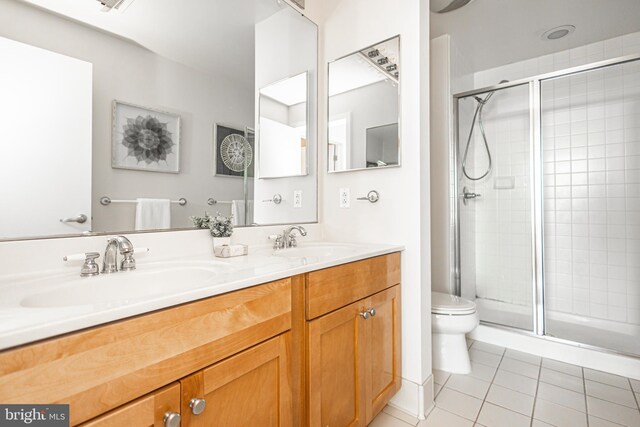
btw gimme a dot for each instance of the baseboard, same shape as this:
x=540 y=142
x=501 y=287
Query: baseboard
x=428 y=396
x=414 y=399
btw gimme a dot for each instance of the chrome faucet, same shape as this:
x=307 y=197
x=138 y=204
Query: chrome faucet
x=110 y=260
x=289 y=239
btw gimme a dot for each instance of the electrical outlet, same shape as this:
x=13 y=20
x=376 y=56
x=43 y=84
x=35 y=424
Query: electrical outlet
x=345 y=198
x=297 y=199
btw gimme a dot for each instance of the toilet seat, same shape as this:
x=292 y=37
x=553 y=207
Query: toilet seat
x=451 y=305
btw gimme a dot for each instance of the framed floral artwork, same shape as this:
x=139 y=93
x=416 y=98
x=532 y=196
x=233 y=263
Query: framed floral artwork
x=220 y=132
x=145 y=139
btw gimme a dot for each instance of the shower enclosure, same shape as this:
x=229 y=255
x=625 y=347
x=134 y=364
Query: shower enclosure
x=547 y=207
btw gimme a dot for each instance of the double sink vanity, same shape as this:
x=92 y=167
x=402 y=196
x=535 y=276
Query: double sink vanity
x=289 y=337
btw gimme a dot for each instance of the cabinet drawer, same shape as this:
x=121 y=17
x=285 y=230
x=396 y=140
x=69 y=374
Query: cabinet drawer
x=148 y=411
x=332 y=288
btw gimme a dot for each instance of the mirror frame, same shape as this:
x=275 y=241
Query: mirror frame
x=399 y=108
x=307 y=115
x=255 y=127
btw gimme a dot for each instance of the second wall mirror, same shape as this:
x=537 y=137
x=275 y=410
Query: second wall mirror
x=284 y=128
x=364 y=98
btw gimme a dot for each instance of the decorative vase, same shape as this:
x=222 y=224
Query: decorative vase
x=220 y=241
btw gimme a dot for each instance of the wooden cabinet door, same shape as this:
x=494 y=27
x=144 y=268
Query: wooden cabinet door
x=336 y=368
x=252 y=388
x=383 y=353
x=148 y=411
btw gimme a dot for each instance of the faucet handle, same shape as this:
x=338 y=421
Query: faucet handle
x=128 y=262
x=279 y=241
x=90 y=266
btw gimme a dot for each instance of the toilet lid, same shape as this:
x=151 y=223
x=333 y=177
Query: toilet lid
x=451 y=304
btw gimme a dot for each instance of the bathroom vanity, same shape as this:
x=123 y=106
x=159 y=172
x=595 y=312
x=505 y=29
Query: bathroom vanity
x=318 y=346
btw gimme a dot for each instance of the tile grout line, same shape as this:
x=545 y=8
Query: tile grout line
x=503 y=356
x=535 y=397
x=633 y=393
x=540 y=366
x=490 y=385
x=401 y=420
x=584 y=385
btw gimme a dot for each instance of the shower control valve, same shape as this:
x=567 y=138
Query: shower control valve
x=467 y=195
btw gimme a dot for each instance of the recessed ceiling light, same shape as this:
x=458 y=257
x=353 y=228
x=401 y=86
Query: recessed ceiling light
x=558 y=32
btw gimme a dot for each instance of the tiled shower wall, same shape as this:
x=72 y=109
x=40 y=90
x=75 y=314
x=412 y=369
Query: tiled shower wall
x=499 y=220
x=591 y=142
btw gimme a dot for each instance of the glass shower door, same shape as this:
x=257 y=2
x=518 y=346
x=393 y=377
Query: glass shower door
x=591 y=194
x=494 y=205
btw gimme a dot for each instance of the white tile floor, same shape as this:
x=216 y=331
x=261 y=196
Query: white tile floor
x=507 y=388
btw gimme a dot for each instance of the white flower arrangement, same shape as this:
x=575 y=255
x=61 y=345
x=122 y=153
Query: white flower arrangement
x=219 y=225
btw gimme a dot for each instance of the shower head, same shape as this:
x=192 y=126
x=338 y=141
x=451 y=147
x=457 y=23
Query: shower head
x=480 y=100
x=444 y=6
x=488 y=97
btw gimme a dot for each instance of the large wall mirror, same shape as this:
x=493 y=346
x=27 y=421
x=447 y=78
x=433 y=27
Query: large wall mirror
x=138 y=116
x=363 y=127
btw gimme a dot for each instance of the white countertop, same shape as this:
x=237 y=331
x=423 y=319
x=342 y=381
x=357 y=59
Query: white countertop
x=20 y=324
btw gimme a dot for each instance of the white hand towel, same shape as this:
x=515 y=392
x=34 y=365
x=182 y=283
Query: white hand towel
x=237 y=211
x=249 y=218
x=240 y=215
x=153 y=214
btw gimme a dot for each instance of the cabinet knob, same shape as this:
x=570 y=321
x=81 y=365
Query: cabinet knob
x=171 y=419
x=197 y=405
x=372 y=311
x=364 y=314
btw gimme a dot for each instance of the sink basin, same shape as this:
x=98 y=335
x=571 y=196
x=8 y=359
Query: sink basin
x=316 y=251
x=121 y=288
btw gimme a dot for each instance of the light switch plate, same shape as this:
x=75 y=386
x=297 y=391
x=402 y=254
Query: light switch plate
x=345 y=198
x=297 y=199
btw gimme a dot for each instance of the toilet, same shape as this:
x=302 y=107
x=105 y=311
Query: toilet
x=451 y=318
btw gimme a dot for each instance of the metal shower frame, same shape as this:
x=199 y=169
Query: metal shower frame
x=536 y=175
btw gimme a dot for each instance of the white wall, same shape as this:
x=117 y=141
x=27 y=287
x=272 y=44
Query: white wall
x=125 y=71
x=450 y=73
x=402 y=214
x=440 y=83
x=282 y=51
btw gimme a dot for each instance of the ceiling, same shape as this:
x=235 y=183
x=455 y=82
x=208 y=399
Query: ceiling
x=491 y=33
x=215 y=36
x=291 y=91
x=352 y=73
x=355 y=71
